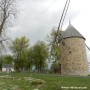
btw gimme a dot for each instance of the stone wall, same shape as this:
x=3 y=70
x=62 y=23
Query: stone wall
x=73 y=57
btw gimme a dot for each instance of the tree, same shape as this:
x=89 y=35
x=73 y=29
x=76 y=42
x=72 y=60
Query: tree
x=40 y=54
x=19 y=49
x=55 y=67
x=30 y=61
x=7 y=10
x=7 y=59
x=54 y=47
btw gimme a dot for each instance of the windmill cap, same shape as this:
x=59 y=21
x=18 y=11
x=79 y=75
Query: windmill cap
x=71 y=32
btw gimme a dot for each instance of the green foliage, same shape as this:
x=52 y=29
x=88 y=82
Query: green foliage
x=40 y=54
x=26 y=57
x=56 y=52
x=55 y=67
x=20 y=47
x=54 y=47
x=7 y=59
x=29 y=62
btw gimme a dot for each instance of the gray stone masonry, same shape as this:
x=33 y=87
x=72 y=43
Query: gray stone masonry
x=73 y=57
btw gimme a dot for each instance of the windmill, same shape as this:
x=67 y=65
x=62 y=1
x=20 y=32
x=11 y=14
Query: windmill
x=72 y=44
x=58 y=36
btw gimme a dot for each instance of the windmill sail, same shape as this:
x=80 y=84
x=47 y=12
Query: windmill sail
x=87 y=47
x=58 y=34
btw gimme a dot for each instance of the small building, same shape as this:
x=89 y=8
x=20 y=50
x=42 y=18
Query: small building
x=8 y=68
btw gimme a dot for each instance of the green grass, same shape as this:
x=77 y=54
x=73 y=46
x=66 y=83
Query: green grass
x=17 y=81
x=56 y=82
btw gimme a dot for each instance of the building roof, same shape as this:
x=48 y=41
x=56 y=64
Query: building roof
x=7 y=66
x=71 y=32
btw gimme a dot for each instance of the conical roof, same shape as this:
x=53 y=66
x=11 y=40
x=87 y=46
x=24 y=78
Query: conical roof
x=71 y=32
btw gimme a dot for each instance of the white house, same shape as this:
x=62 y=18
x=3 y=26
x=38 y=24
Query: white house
x=8 y=68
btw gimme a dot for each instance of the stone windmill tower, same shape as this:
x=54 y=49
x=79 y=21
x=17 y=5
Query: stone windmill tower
x=73 y=53
x=72 y=44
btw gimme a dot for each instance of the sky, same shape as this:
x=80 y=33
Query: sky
x=36 y=18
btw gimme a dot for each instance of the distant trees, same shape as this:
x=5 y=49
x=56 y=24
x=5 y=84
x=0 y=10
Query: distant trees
x=30 y=60
x=7 y=59
x=55 y=67
x=25 y=56
x=20 y=47
x=40 y=55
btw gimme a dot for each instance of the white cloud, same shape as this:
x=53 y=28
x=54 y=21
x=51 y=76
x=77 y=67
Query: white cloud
x=37 y=18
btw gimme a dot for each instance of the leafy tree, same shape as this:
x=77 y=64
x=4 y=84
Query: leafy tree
x=7 y=59
x=55 y=67
x=20 y=48
x=54 y=47
x=29 y=63
x=40 y=54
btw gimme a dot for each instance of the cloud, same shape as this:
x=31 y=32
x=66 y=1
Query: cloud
x=88 y=55
x=37 y=18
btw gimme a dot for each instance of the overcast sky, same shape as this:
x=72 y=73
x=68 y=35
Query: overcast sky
x=36 y=18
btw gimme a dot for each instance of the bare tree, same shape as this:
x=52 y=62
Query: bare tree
x=7 y=11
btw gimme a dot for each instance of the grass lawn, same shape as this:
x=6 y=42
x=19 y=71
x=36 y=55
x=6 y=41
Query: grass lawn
x=26 y=81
